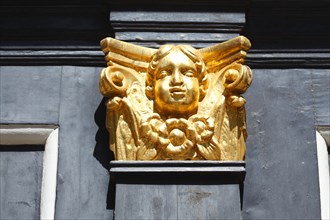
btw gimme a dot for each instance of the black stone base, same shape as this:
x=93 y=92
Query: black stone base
x=177 y=189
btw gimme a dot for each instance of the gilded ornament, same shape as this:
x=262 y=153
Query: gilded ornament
x=176 y=102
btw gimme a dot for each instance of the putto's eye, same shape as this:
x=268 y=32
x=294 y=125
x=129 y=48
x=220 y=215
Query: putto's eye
x=162 y=74
x=189 y=73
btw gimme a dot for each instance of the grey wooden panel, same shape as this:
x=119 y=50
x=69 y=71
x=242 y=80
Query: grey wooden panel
x=53 y=23
x=53 y=55
x=281 y=163
x=174 y=36
x=30 y=94
x=146 y=201
x=207 y=202
x=82 y=181
x=197 y=27
x=286 y=58
x=177 y=16
x=321 y=95
x=135 y=202
x=275 y=24
x=20 y=184
x=195 y=189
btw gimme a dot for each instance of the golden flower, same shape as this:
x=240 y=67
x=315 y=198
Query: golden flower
x=181 y=135
x=204 y=127
x=177 y=138
x=154 y=131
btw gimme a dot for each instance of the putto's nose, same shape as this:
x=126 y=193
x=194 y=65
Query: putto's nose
x=176 y=78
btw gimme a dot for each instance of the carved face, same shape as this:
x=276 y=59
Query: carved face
x=176 y=85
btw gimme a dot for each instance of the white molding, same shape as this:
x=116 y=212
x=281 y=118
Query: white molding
x=325 y=133
x=324 y=182
x=25 y=134
x=42 y=135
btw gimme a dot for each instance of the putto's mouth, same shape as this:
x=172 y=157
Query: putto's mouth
x=177 y=89
x=177 y=92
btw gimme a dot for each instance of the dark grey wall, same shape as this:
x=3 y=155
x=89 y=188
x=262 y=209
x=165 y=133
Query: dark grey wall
x=281 y=162
x=283 y=108
x=20 y=181
x=67 y=96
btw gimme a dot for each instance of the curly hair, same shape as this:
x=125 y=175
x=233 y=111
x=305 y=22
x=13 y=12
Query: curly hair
x=193 y=54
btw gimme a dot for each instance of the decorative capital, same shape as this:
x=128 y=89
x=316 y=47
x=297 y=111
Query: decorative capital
x=177 y=102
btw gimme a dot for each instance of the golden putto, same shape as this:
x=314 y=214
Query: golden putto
x=177 y=102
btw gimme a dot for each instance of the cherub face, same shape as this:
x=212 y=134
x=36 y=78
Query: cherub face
x=176 y=85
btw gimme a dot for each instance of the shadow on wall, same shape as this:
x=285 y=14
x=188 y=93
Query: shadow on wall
x=101 y=151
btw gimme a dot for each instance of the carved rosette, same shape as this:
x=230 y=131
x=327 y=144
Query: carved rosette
x=142 y=127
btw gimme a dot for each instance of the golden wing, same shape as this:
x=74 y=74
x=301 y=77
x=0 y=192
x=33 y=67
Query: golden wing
x=229 y=79
x=122 y=81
